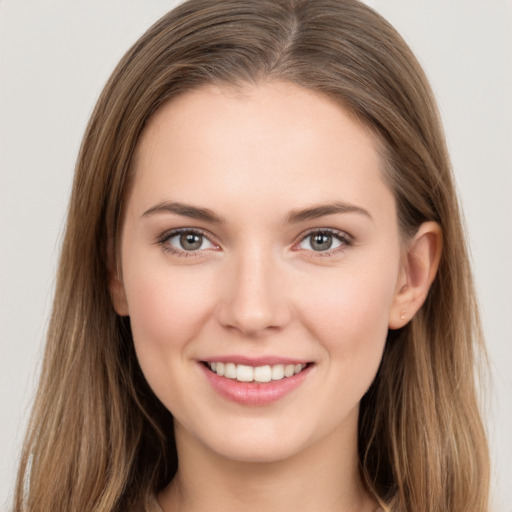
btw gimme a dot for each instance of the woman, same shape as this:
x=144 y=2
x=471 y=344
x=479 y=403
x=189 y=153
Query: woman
x=264 y=298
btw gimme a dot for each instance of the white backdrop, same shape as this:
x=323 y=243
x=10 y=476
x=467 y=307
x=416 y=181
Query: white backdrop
x=55 y=56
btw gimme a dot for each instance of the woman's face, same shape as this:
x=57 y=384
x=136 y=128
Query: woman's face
x=259 y=240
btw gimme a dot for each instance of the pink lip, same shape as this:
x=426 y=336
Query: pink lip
x=255 y=361
x=254 y=393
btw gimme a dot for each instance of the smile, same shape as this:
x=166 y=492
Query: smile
x=258 y=384
x=246 y=373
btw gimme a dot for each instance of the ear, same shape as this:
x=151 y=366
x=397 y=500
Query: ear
x=418 y=270
x=116 y=286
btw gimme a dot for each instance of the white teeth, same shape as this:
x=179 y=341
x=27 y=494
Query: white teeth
x=230 y=370
x=245 y=373
x=262 y=374
x=289 y=370
x=278 y=372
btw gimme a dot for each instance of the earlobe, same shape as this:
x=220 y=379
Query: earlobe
x=116 y=286
x=118 y=296
x=419 y=268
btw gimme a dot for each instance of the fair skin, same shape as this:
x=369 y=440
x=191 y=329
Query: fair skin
x=287 y=251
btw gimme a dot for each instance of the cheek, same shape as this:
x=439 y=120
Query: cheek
x=349 y=316
x=352 y=329
x=167 y=308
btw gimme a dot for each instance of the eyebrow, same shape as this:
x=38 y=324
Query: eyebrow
x=186 y=210
x=321 y=210
x=293 y=217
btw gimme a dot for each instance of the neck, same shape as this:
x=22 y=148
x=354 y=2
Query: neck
x=324 y=476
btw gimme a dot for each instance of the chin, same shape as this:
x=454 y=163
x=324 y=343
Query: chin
x=260 y=441
x=257 y=451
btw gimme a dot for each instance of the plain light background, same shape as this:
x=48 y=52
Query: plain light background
x=55 y=56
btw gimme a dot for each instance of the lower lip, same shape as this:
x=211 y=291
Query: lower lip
x=255 y=393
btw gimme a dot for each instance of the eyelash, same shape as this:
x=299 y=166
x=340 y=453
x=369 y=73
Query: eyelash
x=166 y=247
x=344 y=238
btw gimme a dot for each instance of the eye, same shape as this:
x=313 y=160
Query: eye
x=186 y=241
x=324 y=241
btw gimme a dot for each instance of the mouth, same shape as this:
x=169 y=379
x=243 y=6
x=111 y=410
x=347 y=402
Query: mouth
x=247 y=373
x=255 y=385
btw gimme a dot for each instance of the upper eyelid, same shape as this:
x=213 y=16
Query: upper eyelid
x=336 y=232
x=163 y=239
x=344 y=237
x=176 y=231
x=340 y=234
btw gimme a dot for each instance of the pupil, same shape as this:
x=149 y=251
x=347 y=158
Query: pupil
x=191 y=241
x=321 y=242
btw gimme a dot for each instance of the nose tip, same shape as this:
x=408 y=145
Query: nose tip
x=251 y=322
x=254 y=301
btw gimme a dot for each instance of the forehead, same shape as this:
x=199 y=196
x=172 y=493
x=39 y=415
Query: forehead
x=273 y=108
x=271 y=141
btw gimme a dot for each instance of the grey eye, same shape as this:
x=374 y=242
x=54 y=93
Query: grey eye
x=190 y=241
x=320 y=241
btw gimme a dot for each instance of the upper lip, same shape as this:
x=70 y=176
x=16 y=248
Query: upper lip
x=255 y=361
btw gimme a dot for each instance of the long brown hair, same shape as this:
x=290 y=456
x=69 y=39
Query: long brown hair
x=99 y=440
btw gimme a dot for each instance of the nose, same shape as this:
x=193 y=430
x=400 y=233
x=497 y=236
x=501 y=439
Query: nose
x=254 y=295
